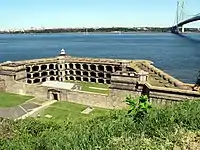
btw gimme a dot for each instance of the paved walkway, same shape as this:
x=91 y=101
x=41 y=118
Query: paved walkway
x=35 y=111
x=24 y=110
x=17 y=111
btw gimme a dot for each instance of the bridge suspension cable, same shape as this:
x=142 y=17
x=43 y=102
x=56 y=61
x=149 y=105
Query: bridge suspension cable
x=179 y=11
x=182 y=13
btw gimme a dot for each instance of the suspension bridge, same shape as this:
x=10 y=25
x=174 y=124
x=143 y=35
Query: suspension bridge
x=182 y=18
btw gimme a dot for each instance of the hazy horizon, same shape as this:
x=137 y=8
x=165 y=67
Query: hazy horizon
x=105 y=13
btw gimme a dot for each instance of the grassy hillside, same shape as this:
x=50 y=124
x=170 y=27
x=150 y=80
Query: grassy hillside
x=173 y=127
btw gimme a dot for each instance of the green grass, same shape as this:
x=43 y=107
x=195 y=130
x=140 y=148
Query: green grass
x=86 y=87
x=173 y=127
x=10 y=99
x=61 y=111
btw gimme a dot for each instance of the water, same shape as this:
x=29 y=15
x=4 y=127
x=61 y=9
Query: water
x=177 y=55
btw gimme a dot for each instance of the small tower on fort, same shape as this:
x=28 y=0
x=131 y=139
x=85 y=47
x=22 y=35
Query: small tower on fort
x=143 y=76
x=61 y=65
x=124 y=65
x=62 y=52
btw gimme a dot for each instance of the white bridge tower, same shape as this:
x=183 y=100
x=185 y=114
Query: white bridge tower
x=180 y=14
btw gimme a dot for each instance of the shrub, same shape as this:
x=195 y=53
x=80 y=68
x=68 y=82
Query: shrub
x=139 y=107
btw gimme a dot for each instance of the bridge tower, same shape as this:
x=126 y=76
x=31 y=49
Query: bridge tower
x=179 y=15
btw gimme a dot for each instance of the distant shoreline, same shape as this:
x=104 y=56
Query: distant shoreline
x=100 y=30
x=93 y=33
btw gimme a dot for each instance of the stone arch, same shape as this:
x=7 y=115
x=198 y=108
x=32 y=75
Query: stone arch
x=52 y=78
x=116 y=68
x=78 y=66
x=71 y=78
x=36 y=74
x=56 y=66
x=71 y=66
x=44 y=73
x=51 y=73
x=71 y=72
x=93 y=80
x=35 y=68
x=78 y=73
x=78 y=78
x=43 y=67
x=51 y=66
x=28 y=69
x=108 y=82
x=44 y=79
x=36 y=80
x=85 y=73
x=61 y=67
x=93 y=67
x=101 y=75
x=85 y=79
x=29 y=81
x=100 y=80
x=109 y=68
x=101 y=68
x=93 y=74
x=108 y=75
x=54 y=94
x=28 y=75
x=85 y=67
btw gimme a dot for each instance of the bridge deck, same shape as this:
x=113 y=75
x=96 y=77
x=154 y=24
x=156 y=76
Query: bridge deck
x=195 y=18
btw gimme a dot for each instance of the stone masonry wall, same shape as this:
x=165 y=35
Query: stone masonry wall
x=118 y=96
x=114 y=100
x=28 y=89
x=2 y=85
x=90 y=99
x=165 y=96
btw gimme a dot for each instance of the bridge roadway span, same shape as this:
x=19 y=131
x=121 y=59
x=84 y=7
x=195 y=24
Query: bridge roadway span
x=195 y=18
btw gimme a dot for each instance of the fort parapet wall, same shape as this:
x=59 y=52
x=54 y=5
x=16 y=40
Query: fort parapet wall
x=164 y=96
x=152 y=69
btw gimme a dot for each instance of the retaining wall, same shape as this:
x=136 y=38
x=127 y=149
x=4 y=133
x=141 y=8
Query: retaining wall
x=2 y=85
x=90 y=99
x=163 y=96
x=27 y=89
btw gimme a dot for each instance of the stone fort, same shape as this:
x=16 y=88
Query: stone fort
x=124 y=77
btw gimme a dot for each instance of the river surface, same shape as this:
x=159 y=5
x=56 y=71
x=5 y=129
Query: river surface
x=177 y=55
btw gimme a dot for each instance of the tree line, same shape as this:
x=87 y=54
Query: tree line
x=112 y=29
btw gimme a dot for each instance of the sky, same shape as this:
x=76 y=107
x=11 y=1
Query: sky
x=18 y=14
